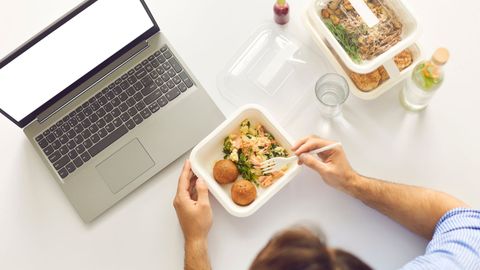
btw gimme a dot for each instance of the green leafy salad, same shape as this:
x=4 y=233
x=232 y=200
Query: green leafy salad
x=249 y=148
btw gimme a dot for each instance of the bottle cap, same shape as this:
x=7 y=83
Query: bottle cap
x=440 y=56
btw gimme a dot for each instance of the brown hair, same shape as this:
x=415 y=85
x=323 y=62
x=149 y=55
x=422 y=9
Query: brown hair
x=301 y=249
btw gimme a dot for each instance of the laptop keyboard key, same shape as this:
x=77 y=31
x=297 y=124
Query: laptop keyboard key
x=87 y=143
x=140 y=73
x=176 y=66
x=70 y=167
x=63 y=139
x=80 y=116
x=115 y=102
x=86 y=134
x=109 y=127
x=50 y=138
x=108 y=107
x=167 y=54
x=39 y=138
x=138 y=96
x=170 y=84
x=93 y=128
x=101 y=123
x=182 y=87
x=171 y=73
x=161 y=58
x=140 y=106
x=117 y=122
x=61 y=162
x=172 y=94
x=155 y=63
x=71 y=133
x=95 y=138
x=145 y=113
x=124 y=85
x=102 y=101
x=43 y=143
x=116 y=112
x=162 y=101
x=105 y=142
x=93 y=118
x=136 y=87
x=154 y=107
x=149 y=89
x=130 y=124
x=102 y=132
x=137 y=118
x=78 y=162
x=56 y=144
x=48 y=150
x=72 y=154
x=153 y=96
x=125 y=116
x=54 y=156
x=164 y=88
x=71 y=144
x=80 y=148
x=85 y=156
x=63 y=173
x=63 y=150
x=131 y=101
x=123 y=96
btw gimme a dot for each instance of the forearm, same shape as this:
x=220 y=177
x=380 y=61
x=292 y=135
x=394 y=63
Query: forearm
x=416 y=208
x=196 y=255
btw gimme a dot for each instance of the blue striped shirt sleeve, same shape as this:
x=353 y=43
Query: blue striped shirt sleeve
x=455 y=243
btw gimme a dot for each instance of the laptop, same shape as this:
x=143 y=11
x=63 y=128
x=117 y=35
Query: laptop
x=105 y=101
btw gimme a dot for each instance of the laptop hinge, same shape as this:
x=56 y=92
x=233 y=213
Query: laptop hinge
x=88 y=84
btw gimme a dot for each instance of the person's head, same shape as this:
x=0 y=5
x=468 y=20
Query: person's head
x=301 y=249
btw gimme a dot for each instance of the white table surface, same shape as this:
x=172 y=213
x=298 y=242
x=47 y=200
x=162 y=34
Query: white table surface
x=437 y=148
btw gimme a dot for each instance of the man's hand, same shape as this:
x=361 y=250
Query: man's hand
x=195 y=216
x=333 y=165
x=193 y=206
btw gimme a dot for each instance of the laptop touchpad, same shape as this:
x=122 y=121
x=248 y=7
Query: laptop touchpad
x=125 y=165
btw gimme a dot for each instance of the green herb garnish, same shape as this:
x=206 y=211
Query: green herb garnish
x=346 y=40
x=245 y=168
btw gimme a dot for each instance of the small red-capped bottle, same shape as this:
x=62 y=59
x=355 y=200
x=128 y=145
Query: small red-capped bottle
x=280 y=10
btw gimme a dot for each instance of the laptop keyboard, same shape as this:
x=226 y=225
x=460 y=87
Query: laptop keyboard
x=114 y=111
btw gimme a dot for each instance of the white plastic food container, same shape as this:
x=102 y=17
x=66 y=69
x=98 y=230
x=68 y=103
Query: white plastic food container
x=312 y=21
x=209 y=151
x=410 y=33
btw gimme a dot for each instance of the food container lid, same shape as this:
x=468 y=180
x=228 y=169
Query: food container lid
x=272 y=69
x=364 y=33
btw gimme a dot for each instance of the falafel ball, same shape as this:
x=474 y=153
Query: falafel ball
x=225 y=171
x=243 y=192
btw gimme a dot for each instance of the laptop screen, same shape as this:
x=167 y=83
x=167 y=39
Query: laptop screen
x=68 y=53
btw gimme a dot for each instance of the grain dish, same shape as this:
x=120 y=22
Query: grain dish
x=358 y=40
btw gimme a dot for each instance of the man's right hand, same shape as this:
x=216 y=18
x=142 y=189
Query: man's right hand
x=333 y=165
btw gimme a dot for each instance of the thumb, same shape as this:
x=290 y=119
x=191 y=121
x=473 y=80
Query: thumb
x=202 y=191
x=312 y=162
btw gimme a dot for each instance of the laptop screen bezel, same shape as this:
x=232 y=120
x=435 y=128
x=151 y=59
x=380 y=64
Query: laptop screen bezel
x=34 y=40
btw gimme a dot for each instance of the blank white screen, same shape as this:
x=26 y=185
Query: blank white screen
x=69 y=53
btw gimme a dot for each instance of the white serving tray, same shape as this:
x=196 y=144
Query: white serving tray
x=209 y=150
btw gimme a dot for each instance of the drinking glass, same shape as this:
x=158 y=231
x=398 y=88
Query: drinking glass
x=332 y=91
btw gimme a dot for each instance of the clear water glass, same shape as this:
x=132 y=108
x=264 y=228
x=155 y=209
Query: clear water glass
x=332 y=91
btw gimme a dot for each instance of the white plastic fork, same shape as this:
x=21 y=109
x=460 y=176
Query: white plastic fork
x=276 y=164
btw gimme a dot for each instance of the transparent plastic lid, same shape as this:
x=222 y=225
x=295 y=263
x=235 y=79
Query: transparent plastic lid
x=274 y=70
